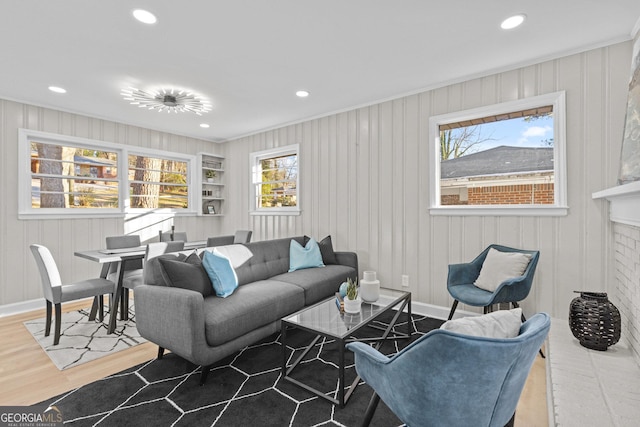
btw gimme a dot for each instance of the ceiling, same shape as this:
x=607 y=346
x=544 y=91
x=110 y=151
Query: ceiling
x=249 y=57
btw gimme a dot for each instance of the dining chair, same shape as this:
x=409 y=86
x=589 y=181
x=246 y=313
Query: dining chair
x=133 y=268
x=220 y=241
x=165 y=236
x=446 y=378
x=55 y=292
x=242 y=236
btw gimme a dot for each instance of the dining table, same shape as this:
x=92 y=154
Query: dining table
x=120 y=258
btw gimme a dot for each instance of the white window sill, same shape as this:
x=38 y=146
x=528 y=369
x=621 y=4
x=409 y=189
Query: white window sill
x=276 y=212
x=79 y=214
x=495 y=210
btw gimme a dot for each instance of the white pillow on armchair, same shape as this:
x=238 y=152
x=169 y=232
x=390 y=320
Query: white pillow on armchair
x=500 y=266
x=499 y=324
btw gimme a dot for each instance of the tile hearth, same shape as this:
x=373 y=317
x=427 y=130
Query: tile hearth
x=588 y=387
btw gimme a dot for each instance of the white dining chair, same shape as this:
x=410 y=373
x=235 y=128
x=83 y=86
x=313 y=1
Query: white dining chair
x=55 y=292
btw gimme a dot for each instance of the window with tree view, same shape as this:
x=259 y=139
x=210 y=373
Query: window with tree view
x=64 y=176
x=275 y=179
x=71 y=177
x=156 y=182
x=499 y=158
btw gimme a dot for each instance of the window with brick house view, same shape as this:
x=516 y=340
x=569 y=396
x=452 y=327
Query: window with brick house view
x=505 y=159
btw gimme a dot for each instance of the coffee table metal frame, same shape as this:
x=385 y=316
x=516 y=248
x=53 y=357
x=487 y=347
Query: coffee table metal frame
x=351 y=324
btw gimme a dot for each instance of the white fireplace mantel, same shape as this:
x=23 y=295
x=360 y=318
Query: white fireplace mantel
x=624 y=203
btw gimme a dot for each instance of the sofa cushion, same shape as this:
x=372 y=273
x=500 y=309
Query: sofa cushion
x=251 y=306
x=222 y=275
x=187 y=275
x=318 y=283
x=152 y=272
x=268 y=258
x=301 y=257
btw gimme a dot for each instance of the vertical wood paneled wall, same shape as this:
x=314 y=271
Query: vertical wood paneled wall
x=364 y=180
x=19 y=279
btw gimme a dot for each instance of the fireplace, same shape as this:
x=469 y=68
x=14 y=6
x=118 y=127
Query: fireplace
x=624 y=213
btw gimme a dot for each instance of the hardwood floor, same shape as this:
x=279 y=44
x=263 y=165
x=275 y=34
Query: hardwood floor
x=27 y=375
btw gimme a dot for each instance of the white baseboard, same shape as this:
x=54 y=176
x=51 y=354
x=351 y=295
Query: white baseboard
x=22 y=307
x=434 y=311
x=26 y=306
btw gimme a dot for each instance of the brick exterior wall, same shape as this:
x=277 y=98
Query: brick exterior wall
x=627 y=273
x=451 y=199
x=511 y=194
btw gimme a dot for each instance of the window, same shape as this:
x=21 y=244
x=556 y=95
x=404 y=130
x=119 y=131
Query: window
x=72 y=177
x=64 y=176
x=156 y=182
x=275 y=181
x=505 y=159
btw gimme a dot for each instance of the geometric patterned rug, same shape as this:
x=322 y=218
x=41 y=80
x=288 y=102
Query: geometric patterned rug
x=83 y=340
x=244 y=389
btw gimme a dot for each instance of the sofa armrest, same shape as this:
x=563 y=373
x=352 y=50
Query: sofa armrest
x=172 y=318
x=349 y=259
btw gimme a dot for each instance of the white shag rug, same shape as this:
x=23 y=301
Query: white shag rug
x=83 y=340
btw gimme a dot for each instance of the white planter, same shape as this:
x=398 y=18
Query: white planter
x=209 y=179
x=369 y=287
x=352 y=305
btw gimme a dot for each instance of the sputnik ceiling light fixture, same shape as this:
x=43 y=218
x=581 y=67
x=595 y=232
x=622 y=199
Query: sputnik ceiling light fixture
x=169 y=100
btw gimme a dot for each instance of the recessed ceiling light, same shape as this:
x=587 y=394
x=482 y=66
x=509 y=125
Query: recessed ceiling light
x=144 y=16
x=57 y=89
x=204 y=125
x=513 y=21
x=302 y=93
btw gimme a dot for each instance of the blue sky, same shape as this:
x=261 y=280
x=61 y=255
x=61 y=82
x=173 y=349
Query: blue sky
x=517 y=133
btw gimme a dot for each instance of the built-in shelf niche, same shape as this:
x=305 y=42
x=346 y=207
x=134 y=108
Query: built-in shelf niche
x=212 y=189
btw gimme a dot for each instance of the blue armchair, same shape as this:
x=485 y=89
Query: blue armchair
x=449 y=379
x=462 y=276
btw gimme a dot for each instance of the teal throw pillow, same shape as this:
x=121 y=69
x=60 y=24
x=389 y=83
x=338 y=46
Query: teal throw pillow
x=221 y=273
x=308 y=256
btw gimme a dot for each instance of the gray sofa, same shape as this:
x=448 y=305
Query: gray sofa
x=203 y=328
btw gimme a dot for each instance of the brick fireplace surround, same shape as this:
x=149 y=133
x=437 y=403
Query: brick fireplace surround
x=602 y=388
x=627 y=293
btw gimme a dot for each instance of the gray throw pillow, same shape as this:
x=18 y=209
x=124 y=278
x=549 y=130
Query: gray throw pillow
x=153 y=269
x=187 y=274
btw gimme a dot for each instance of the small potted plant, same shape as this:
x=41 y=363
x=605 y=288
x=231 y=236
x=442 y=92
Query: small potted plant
x=210 y=175
x=352 y=302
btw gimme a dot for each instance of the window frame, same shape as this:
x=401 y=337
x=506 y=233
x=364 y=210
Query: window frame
x=558 y=208
x=26 y=211
x=254 y=160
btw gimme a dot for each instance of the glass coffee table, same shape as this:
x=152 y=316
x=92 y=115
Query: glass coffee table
x=325 y=320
